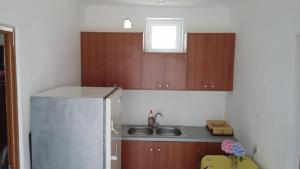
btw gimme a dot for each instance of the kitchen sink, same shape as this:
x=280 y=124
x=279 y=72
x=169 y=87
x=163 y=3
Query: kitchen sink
x=161 y=131
x=168 y=131
x=140 y=131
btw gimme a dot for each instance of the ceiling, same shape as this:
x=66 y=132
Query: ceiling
x=178 y=3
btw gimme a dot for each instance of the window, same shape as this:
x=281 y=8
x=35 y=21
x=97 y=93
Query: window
x=164 y=35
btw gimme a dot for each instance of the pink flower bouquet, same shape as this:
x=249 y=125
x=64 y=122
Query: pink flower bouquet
x=227 y=146
x=233 y=148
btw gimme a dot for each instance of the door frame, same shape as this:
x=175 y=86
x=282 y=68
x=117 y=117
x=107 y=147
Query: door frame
x=11 y=96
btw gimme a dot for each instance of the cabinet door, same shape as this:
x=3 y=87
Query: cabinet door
x=213 y=149
x=95 y=59
x=207 y=149
x=175 y=155
x=137 y=155
x=199 y=62
x=175 y=71
x=153 y=71
x=222 y=61
x=210 y=61
x=127 y=59
x=201 y=152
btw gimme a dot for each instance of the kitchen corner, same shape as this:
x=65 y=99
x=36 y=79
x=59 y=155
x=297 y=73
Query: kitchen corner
x=175 y=147
x=189 y=134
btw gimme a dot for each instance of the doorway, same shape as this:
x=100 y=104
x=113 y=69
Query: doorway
x=3 y=123
x=9 y=134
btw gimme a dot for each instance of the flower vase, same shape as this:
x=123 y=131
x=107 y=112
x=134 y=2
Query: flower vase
x=233 y=162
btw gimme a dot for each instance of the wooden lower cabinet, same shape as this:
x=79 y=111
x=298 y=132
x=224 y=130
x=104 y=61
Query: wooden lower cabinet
x=213 y=149
x=175 y=155
x=165 y=155
x=137 y=155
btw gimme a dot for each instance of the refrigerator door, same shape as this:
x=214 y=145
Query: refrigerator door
x=67 y=133
x=113 y=130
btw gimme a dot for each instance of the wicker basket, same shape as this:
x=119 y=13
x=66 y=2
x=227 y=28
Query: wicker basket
x=219 y=128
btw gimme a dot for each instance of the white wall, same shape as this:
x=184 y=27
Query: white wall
x=110 y=18
x=177 y=107
x=260 y=106
x=1 y=39
x=48 y=51
x=185 y=108
x=294 y=141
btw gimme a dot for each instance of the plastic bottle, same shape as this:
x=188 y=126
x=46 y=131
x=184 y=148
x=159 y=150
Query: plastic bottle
x=150 y=118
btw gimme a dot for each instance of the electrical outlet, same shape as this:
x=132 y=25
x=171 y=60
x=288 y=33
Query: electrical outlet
x=255 y=151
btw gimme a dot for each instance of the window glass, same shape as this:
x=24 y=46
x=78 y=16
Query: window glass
x=164 y=35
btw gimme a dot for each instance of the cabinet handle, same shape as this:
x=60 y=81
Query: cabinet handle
x=168 y=85
x=115 y=85
x=159 y=85
x=151 y=149
x=213 y=86
x=205 y=86
x=158 y=149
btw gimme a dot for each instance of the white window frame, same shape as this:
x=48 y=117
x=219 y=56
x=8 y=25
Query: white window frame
x=178 y=22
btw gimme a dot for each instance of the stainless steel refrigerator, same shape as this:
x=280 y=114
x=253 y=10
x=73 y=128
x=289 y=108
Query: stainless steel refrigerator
x=76 y=128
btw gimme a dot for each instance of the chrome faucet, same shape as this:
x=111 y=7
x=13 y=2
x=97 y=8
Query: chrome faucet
x=154 y=123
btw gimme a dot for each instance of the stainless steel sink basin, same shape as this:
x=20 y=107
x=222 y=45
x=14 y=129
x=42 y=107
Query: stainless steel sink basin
x=161 y=131
x=140 y=131
x=168 y=131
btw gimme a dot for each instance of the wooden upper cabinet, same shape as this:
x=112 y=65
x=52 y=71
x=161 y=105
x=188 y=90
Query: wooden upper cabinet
x=210 y=61
x=126 y=59
x=164 y=71
x=95 y=59
x=223 y=62
x=175 y=71
x=198 y=72
x=111 y=59
x=117 y=59
x=153 y=66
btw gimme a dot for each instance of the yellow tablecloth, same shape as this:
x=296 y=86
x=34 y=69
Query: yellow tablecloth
x=222 y=162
